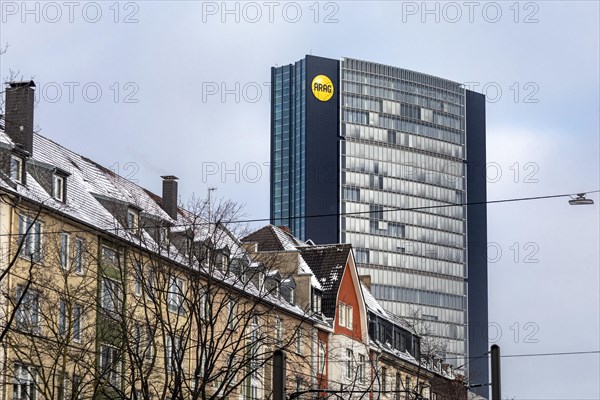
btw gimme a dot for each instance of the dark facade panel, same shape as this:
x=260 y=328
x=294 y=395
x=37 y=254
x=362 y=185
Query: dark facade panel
x=322 y=155
x=477 y=239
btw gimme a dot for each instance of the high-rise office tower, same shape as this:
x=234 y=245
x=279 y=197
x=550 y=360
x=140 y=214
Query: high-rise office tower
x=385 y=159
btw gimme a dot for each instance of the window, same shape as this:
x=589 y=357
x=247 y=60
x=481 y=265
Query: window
x=61 y=387
x=384 y=379
x=77 y=311
x=299 y=341
x=79 y=247
x=64 y=250
x=316 y=302
x=138 y=279
x=76 y=387
x=361 y=368
x=132 y=220
x=163 y=236
x=16 y=168
x=110 y=256
x=69 y=317
x=205 y=309
x=231 y=314
x=58 y=187
x=62 y=318
x=110 y=295
x=28 y=314
x=143 y=339
x=322 y=355
x=110 y=366
x=174 y=353
x=30 y=235
x=175 y=294
x=222 y=261
x=345 y=315
x=24 y=383
x=255 y=355
x=150 y=284
x=278 y=331
x=349 y=363
x=349 y=317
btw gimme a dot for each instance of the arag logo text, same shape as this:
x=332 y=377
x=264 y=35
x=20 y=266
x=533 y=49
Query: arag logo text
x=322 y=87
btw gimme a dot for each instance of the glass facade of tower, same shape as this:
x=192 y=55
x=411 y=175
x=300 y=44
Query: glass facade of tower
x=288 y=146
x=404 y=148
x=387 y=164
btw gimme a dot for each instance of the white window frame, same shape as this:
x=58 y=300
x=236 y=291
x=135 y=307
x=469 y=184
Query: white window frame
x=71 y=320
x=32 y=244
x=110 y=294
x=322 y=355
x=299 y=335
x=133 y=220
x=16 y=168
x=65 y=240
x=349 y=363
x=110 y=364
x=78 y=256
x=231 y=313
x=58 y=187
x=349 y=316
x=361 y=367
x=278 y=330
x=173 y=351
x=176 y=294
x=27 y=315
x=77 y=322
x=24 y=387
x=138 y=279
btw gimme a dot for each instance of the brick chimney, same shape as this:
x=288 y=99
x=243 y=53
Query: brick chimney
x=285 y=229
x=365 y=280
x=19 y=113
x=169 y=195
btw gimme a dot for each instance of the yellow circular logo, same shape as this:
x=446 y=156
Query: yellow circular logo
x=322 y=87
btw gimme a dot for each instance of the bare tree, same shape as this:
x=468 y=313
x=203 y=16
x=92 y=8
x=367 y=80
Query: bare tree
x=189 y=314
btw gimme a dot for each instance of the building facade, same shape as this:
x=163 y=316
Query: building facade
x=108 y=290
x=385 y=159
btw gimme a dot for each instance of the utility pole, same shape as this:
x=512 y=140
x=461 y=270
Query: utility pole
x=495 y=360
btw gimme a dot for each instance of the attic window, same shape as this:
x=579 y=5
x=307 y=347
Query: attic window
x=316 y=302
x=16 y=168
x=58 y=187
x=163 y=235
x=133 y=219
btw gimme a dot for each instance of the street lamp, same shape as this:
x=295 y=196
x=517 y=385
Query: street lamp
x=580 y=200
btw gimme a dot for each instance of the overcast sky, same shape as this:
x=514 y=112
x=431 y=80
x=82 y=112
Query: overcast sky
x=152 y=88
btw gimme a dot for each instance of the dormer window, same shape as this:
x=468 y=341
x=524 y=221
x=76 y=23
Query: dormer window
x=163 y=235
x=316 y=301
x=16 y=168
x=133 y=219
x=58 y=187
x=287 y=289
